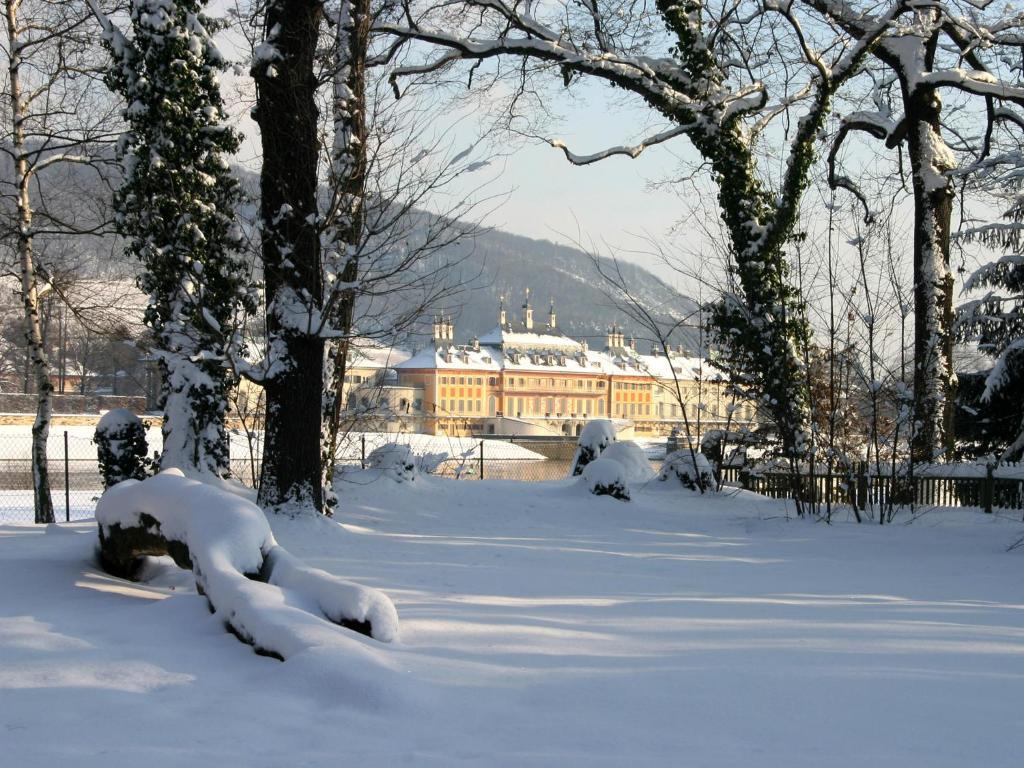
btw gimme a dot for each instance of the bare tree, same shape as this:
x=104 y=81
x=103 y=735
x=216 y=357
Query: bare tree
x=50 y=122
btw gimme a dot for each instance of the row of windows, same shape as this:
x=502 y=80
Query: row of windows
x=467 y=380
x=513 y=382
x=632 y=385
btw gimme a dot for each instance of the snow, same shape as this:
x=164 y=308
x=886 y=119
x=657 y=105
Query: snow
x=636 y=467
x=116 y=420
x=606 y=477
x=541 y=626
x=228 y=539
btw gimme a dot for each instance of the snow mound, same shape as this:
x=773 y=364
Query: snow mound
x=680 y=465
x=606 y=477
x=633 y=458
x=251 y=582
x=395 y=461
x=595 y=437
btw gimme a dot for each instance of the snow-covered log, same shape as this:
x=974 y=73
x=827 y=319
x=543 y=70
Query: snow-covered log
x=250 y=581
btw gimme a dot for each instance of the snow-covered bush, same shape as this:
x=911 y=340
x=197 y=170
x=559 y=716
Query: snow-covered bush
x=595 y=437
x=606 y=477
x=395 y=461
x=121 y=447
x=680 y=465
x=634 y=461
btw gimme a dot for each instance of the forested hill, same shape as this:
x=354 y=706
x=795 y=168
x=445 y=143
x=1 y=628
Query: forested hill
x=508 y=264
x=488 y=265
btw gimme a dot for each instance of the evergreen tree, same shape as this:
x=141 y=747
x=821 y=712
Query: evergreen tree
x=996 y=320
x=176 y=209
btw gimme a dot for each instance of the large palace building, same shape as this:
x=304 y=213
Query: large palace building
x=528 y=378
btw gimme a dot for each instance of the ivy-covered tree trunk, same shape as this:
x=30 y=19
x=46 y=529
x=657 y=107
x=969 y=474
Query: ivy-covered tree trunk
x=37 y=358
x=287 y=116
x=345 y=233
x=176 y=207
x=934 y=379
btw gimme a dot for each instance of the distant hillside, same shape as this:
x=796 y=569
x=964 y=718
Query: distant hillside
x=511 y=263
x=492 y=264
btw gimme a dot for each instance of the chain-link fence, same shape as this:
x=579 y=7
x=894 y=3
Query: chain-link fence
x=75 y=481
x=540 y=461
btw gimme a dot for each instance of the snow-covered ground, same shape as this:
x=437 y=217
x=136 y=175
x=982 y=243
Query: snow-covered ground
x=16 y=442
x=542 y=626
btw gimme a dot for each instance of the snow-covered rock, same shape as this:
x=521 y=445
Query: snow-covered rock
x=260 y=591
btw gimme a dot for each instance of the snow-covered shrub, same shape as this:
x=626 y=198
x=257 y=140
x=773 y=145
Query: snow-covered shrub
x=121 y=447
x=632 y=458
x=395 y=461
x=680 y=465
x=606 y=477
x=595 y=437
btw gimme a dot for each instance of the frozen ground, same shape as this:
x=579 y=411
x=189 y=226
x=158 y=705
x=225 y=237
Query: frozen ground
x=542 y=627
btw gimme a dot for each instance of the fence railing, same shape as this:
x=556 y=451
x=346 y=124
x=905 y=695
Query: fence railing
x=864 y=490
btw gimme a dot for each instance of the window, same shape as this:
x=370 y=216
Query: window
x=600 y=385
x=462 y=406
x=479 y=381
x=590 y=383
x=462 y=379
x=600 y=407
x=444 y=379
x=522 y=382
x=492 y=381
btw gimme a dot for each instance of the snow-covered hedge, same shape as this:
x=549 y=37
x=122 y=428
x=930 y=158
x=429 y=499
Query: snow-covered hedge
x=680 y=466
x=634 y=461
x=251 y=582
x=595 y=437
x=121 y=447
x=606 y=477
x=395 y=461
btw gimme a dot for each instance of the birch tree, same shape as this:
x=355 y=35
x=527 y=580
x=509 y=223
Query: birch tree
x=49 y=122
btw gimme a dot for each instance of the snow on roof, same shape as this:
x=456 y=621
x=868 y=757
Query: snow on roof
x=520 y=337
x=540 y=360
x=372 y=355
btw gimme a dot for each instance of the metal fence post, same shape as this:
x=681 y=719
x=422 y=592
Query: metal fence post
x=481 y=459
x=67 y=486
x=988 y=488
x=362 y=451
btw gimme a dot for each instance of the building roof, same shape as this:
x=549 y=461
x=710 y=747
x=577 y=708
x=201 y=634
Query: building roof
x=534 y=358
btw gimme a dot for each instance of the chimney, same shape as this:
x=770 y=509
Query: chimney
x=476 y=344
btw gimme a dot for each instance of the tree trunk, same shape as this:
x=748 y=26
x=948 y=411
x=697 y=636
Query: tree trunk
x=933 y=282
x=287 y=116
x=348 y=165
x=37 y=358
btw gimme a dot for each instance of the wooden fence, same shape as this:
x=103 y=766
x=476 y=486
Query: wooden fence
x=863 y=489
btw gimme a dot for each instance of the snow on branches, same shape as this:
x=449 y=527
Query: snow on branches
x=176 y=208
